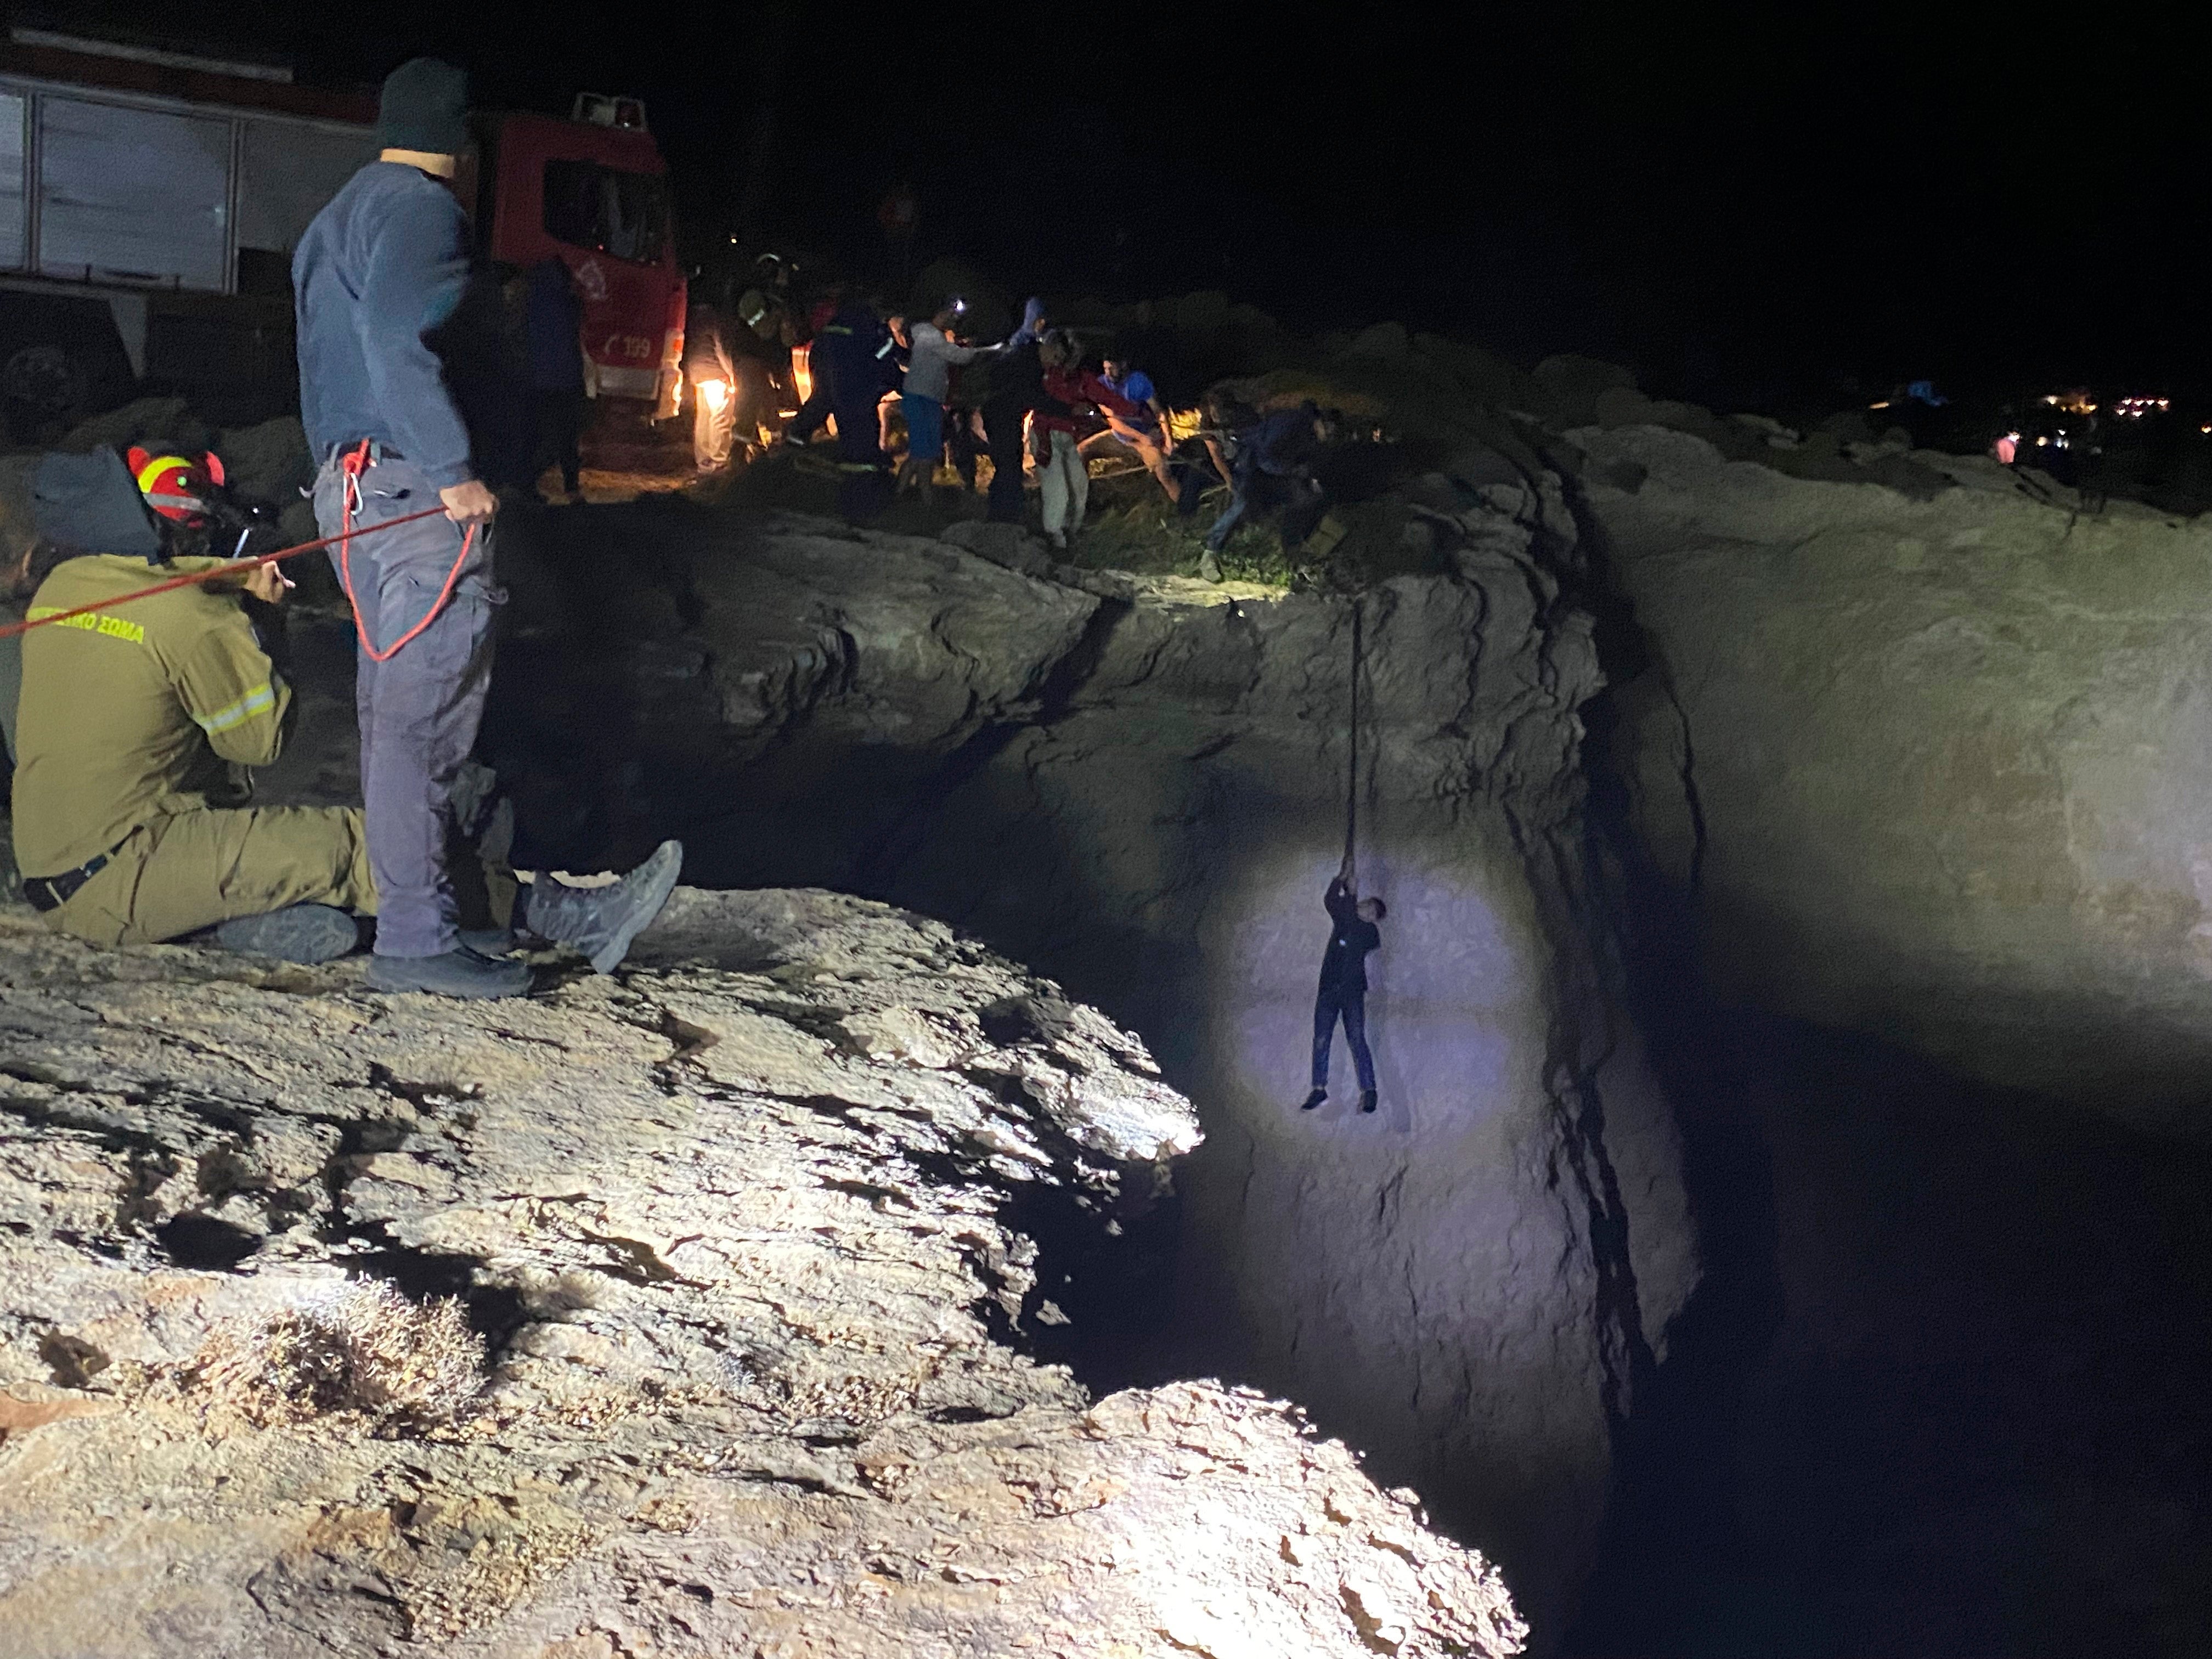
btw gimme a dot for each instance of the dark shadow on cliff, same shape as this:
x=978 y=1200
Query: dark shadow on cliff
x=1672 y=1530
x=1939 y=1390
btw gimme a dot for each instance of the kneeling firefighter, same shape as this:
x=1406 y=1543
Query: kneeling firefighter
x=136 y=726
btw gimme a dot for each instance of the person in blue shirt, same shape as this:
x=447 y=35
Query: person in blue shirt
x=1343 y=991
x=1146 y=434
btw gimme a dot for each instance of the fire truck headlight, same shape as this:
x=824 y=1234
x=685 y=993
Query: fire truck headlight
x=714 y=394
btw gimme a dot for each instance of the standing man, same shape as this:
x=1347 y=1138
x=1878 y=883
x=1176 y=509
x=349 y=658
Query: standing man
x=714 y=377
x=1016 y=385
x=1343 y=992
x=556 y=324
x=1070 y=401
x=935 y=355
x=377 y=274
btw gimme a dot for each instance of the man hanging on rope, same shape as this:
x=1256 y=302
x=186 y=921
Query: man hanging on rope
x=1343 y=992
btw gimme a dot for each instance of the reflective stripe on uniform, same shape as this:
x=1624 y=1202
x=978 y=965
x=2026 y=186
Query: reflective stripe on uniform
x=259 y=700
x=114 y=627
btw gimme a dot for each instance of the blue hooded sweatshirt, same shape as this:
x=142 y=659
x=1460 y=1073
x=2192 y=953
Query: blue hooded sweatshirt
x=1032 y=324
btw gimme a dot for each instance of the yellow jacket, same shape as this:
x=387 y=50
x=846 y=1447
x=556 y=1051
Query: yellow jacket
x=127 y=713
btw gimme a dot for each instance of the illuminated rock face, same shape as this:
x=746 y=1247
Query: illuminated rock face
x=742 y=1234
x=1949 y=761
x=1469 y=1283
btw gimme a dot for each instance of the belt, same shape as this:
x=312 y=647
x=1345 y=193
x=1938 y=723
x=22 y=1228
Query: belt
x=377 y=451
x=51 y=892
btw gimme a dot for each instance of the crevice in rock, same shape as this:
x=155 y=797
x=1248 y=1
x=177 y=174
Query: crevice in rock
x=204 y=1242
x=878 y=867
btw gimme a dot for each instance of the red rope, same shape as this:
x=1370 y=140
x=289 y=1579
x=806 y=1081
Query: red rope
x=232 y=568
x=356 y=463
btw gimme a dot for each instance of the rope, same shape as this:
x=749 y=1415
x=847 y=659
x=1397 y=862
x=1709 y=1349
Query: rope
x=227 y=569
x=356 y=463
x=1352 y=780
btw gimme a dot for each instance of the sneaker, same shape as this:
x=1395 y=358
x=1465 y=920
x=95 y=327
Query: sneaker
x=1313 y=1100
x=1209 y=567
x=1367 y=1100
x=492 y=942
x=1058 y=538
x=601 y=921
x=458 y=973
x=298 y=932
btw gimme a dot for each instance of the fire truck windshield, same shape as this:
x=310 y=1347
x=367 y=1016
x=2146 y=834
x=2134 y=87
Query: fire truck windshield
x=622 y=215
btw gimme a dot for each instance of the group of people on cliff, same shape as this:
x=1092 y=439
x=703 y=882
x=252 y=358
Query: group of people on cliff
x=1038 y=403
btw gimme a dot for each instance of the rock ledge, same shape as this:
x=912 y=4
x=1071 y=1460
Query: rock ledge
x=679 y=1312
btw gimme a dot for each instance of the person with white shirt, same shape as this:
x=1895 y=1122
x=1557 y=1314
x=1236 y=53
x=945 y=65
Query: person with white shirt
x=933 y=355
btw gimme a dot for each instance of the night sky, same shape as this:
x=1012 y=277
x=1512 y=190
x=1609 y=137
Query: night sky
x=1744 y=201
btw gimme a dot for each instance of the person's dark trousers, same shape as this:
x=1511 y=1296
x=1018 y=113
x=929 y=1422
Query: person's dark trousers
x=960 y=444
x=561 y=429
x=1216 y=537
x=418 y=711
x=863 y=485
x=1350 y=1006
x=1300 y=517
x=818 y=407
x=1002 y=428
x=1191 y=480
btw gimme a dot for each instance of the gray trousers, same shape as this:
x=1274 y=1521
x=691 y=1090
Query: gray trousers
x=418 y=712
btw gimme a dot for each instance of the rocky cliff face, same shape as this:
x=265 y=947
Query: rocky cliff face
x=1936 y=761
x=1145 y=796
x=688 y=1312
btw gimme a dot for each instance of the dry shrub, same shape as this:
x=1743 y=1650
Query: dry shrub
x=364 y=1348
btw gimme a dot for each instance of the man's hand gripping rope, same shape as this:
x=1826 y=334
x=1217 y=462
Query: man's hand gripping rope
x=357 y=462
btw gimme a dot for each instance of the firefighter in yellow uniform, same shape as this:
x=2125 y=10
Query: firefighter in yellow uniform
x=133 y=721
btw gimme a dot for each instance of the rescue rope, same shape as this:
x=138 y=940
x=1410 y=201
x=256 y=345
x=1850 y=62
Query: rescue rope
x=356 y=463
x=1352 y=781
x=230 y=569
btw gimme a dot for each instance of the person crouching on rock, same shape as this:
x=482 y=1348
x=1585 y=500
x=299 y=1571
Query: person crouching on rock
x=135 y=730
x=1343 y=992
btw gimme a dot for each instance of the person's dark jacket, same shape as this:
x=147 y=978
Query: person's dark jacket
x=1282 y=445
x=707 y=345
x=556 y=329
x=1017 y=381
x=845 y=358
x=379 y=270
x=1344 y=969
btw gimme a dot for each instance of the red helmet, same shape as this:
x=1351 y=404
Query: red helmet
x=175 y=486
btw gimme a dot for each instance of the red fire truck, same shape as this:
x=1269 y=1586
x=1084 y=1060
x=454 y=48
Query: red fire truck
x=151 y=200
x=592 y=191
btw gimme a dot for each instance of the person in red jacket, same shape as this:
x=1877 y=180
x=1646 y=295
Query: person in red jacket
x=1072 y=399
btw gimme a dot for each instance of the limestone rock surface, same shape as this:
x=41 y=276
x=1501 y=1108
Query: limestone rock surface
x=736 y=1355
x=1937 y=765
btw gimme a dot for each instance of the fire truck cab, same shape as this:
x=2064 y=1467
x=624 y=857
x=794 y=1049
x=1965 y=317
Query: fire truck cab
x=592 y=191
